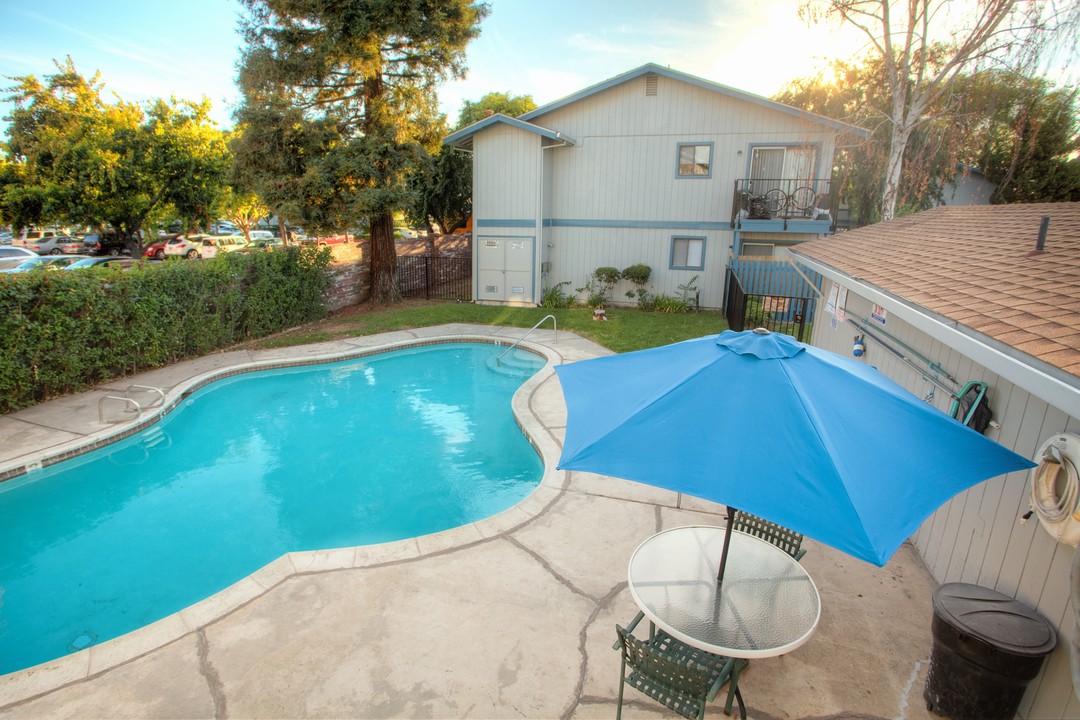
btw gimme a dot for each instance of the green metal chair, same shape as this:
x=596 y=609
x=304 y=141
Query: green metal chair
x=787 y=540
x=679 y=676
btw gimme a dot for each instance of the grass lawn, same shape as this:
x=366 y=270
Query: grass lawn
x=625 y=329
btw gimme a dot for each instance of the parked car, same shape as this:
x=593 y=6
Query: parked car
x=31 y=236
x=104 y=244
x=40 y=263
x=190 y=247
x=101 y=262
x=155 y=250
x=331 y=239
x=266 y=244
x=5 y=238
x=54 y=245
x=227 y=243
x=69 y=246
x=258 y=235
x=13 y=251
x=223 y=227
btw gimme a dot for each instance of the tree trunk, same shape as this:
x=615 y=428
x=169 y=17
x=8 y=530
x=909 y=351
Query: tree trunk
x=377 y=123
x=893 y=170
x=384 y=287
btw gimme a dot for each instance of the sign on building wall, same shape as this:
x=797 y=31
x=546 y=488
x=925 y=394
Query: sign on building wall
x=836 y=301
x=879 y=314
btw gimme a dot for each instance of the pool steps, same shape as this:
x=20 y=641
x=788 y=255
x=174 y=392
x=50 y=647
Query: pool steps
x=518 y=364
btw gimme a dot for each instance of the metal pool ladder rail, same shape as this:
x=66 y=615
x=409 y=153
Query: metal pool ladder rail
x=554 y=323
x=129 y=402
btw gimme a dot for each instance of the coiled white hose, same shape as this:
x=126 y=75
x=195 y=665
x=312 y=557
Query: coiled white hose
x=1055 y=492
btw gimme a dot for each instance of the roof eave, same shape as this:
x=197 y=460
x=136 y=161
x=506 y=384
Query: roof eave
x=1040 y=378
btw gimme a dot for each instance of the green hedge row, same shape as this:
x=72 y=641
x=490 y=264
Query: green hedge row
x=63 y=332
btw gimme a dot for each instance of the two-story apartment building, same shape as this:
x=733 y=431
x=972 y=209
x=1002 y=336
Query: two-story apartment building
x=653 y=166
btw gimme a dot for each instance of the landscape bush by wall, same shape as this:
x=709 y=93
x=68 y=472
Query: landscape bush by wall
x=65 y=331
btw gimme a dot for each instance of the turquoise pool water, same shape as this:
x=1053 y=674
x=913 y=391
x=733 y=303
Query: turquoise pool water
x=363 y=451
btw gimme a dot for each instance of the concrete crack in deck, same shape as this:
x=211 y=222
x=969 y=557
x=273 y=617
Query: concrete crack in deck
x=563 y=580
x=601 y=605
x=213 y=680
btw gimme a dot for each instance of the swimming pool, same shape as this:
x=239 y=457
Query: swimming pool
x=247 y=469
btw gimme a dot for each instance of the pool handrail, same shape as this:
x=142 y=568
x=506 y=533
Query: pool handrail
x=554 y=323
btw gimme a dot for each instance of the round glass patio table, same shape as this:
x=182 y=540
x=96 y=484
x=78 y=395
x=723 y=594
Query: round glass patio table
x=767 y=605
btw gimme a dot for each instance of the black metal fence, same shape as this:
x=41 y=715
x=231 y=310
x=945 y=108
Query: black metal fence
x=438 y=278
x=778 y=313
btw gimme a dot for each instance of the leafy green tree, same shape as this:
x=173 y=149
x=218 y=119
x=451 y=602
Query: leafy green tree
x=1026 y=133
x=441 y=191
x=83 y=161
x=494 y=102
x=242 y=209
x=363 y=72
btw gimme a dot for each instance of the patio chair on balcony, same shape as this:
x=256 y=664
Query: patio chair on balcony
x=680 y=677
x=787 y=540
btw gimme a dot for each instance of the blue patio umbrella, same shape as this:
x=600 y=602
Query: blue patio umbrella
x=759 y=421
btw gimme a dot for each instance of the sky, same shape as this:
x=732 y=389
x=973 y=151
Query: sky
x=149 y=49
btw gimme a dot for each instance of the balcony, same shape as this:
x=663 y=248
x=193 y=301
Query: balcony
x=784 y=205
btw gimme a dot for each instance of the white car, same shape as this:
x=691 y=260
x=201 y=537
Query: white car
x=189 y=247
x=227 y=243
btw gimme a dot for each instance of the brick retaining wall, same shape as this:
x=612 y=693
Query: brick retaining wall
x=350 y=278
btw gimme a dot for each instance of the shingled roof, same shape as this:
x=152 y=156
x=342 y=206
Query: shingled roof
x=976 y=266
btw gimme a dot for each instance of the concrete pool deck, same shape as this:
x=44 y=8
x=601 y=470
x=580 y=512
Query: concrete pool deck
x=512 y=616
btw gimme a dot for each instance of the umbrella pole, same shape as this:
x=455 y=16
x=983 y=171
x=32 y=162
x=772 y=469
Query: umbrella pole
x=727 y=541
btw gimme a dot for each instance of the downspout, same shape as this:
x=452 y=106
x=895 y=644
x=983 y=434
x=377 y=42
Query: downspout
x=538 y=255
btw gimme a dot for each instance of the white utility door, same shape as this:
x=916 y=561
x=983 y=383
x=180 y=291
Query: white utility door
x=504 y=270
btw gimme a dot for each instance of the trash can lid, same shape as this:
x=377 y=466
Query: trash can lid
x=999 y=620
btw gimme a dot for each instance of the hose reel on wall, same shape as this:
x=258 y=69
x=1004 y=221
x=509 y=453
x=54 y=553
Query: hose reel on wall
x=1055 y=487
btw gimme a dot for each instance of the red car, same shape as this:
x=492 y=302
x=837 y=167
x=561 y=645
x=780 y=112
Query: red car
x=156 y=250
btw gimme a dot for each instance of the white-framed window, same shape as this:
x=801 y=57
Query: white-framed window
x=694 y=160
x=687 y=253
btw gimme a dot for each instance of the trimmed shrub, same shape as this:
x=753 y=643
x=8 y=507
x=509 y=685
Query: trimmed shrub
x=62 y=332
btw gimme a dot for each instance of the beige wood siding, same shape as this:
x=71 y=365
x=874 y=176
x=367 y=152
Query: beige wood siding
x=506 y=175
x=977 y=537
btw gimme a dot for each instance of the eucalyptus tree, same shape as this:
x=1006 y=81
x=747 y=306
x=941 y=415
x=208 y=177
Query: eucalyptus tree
x=925 y=46
x=1019 y=131
x=81 y=160
x=364 y=73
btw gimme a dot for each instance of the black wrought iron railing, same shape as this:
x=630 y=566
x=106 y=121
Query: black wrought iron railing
x=782 y=199
x=438 y=278
x=780 y=313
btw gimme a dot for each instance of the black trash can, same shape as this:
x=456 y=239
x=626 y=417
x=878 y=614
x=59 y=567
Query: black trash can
x=987 y=648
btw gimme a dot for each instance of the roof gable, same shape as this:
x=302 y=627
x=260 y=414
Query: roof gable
x=463 y=138
x=976 y=266
x=697 y=82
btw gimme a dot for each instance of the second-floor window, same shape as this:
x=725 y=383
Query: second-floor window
x=695 y=160
x=788 y=163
